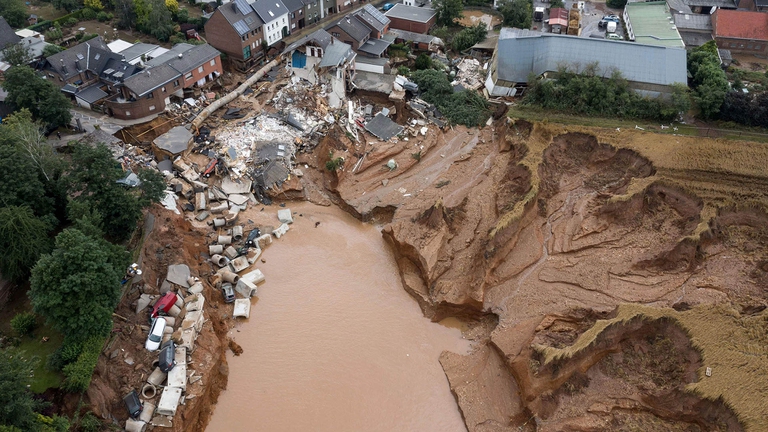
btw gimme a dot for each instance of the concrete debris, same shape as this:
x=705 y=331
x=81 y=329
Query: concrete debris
x=162 y=421
x=178 y=274
x=469 y=74
x=192 y=381
x=255 y=277
x=147 y=412
x=242 y=308
x=230 y=252
x=177 y=377
x=220 y=260
x=238 y=199
x=169 y=202
x=169 y=401
x=224 y=240
x=215 y=249
x=253 y=254
x=143 y=302
x=281 y=230
x=229 y=186
x=239 y=264
x=220 y=207
x=284 y=216
x=263 y=241
x=246 y=288
x=132 y=425
x=237 y=233
x=157 y=377
x=196 y=303
x=202 y=216
x=383 y=128
x=200 y=203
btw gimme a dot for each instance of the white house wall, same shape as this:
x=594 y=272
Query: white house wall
x=273 y=30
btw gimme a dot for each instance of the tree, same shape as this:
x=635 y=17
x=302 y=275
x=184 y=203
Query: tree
x=23 y=238
x=52 y=49
x=28 y=137
x=67 y=5
x=709 y=81
x=17 y=55
x=93 y=180
x=14 y=12
x=41 y=97
x=556 y=4
x=172 y=6
x=159 y=21
x=17 y=407
x=469 y=36
x=448 y=11
x=517 y=13
x=77 y=286
x=422 y=62
x=20 y=184
x=126 y=15
x=93 y=4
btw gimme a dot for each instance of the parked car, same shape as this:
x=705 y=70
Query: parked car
x=252 y=236
x=167 y=356
x=133 y=404
x=612 y=17
x=613 y=36
x=608 y=19
x=610 y=27
x=387 y=6
x=538 y=14
x=164 y=304
x=155 y=334
x=228 y=292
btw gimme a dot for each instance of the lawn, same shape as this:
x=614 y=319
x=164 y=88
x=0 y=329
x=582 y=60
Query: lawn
x=33 y=346
x=44 y=10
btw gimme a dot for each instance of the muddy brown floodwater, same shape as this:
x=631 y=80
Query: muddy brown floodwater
x=334 y=343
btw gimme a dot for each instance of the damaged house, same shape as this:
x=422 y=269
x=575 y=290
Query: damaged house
x=364 y=31
x=99 y=79
x=322 y=59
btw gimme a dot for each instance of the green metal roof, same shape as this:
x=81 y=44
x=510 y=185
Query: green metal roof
x=652 y=24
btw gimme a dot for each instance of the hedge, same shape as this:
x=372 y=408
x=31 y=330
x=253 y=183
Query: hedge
x=78 y=374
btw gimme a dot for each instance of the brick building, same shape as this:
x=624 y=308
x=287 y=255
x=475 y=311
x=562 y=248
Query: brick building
x=739 y=31
x=411 y=18
x=236 y=29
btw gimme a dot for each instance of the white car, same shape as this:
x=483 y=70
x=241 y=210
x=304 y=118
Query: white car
x=155 y=334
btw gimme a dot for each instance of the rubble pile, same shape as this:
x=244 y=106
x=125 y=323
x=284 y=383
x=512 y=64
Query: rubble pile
x=469 y=74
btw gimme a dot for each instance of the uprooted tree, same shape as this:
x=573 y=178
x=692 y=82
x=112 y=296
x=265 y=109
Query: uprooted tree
x=464 y=107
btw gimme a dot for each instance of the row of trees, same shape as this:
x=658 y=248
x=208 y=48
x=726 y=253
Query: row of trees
x=708 y=80
x=74 y=276
x=588 y=92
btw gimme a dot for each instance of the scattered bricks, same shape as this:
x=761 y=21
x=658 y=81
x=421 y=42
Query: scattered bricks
x=200 y=201
x=219 y=222
x=237 y=232
x=229 y=276
x=215 y=249
x=230 y=252
x=157 y=377
x=281 y=230
x=220 y=208
x=284 y=216
x=239 y=264
x=224 y=240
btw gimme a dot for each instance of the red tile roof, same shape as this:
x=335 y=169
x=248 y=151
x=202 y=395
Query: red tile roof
x=740 y=24
x=558 y=16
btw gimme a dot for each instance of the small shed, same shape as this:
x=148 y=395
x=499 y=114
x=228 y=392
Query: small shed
x=558 y=20
x=172 y=143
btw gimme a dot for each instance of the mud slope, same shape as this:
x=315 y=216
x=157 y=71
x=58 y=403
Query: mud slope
x=550 y=228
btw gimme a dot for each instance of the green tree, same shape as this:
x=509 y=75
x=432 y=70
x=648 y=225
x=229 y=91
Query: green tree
x=93 y=180
x=51 y=49
x=68 y=5
x=17 y=407
x=17 y=55
x=24 y=323
x=14 y=12
x=556 y=4
x=423 y=61
x=517 y=13
x=159 y=21
x=125 y=13
x=41 y=97
x=23 y=238
x=616 y=4
x=464 y=107
x=709 y=81
x=448 y=11
x=77 y=286
x=469 y=36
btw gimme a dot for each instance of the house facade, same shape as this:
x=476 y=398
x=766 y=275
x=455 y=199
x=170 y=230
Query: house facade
x=412 y=18
x=236 y=29
x=744 y=32
x=274 y=15
x=314 y=11
x=296 y=14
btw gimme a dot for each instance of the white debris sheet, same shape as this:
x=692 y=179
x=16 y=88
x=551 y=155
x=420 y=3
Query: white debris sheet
x=242 y=308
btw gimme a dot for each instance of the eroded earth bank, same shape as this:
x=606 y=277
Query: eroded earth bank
x=613 y=280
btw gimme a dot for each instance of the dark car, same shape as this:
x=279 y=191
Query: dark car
x=228 y=292
x=133 y=404
x=167 y=356
x=252 y=236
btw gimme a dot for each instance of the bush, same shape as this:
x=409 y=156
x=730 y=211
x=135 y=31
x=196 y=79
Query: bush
x=67 y=353
x=423 y=62
x=464 y=107
x=333 y=165
x=102 y=16
x=469 y=36
x=70 y=22
x=89 y=423
x=403 y=70
x=88 y=14
x=78 y=374
x=23 y=323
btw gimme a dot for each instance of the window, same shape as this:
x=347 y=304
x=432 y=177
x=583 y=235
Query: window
x=176 y=83
x=247 y=53
x=188 y=76
x=151 y=96
x=200 y=69
x=293 y=16
x=127 y=113
x=152 y=108
x=283 y=20
x=163 y=89
x=213 y=62
x=749 y=46
x=293 y=26
x=335 y=34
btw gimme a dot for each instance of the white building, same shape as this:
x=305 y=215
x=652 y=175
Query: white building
x=274 y=14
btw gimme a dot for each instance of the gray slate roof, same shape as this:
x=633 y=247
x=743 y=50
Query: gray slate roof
x=374 y=47
x=137 y=50
x=373 y=18
x=193 y=58
x=354 y=27
x=336 y=54
x=172 y=53
x=321 y=37
x=148 y=80
x=91 y=94
x=725 y=4
x=393 y=34
x=521 y=52
x=679 y=6
x=242 y=23
x=383 y=128
x=175 y=140
x=293 y=5
x=693 y=39
x=411 y=13
x=269 y=10
x=91 y=55
x=701 y=22
x=7 y=35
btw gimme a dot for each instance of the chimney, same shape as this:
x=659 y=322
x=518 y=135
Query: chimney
x=181 y=55
x=63 y=67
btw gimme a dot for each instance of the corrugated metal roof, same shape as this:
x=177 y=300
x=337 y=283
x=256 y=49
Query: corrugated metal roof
x=411 y=13
x=693 y=22
x=374 y=47
x=336 y=54
x=652 y=24
x=521 y=52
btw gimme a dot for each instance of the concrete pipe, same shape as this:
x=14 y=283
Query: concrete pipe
x=157 y=377
x=220 y=260
x=219 y=222
x=220 y=208
x=215 y=249
x=170 y=321
x=179 y=301
x=230 y=277
x=175 y=311
x=191 y=281
x=237 y=232
x=224 y=240
x=155 y=364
